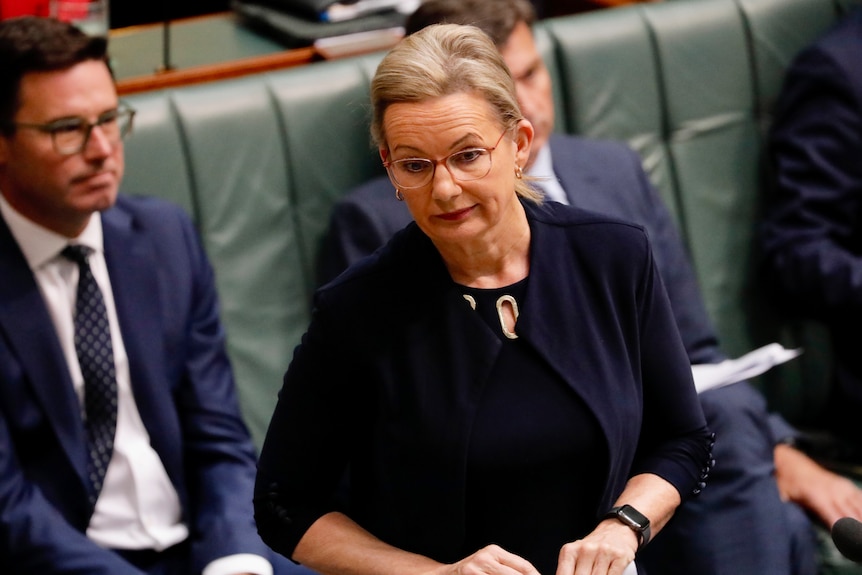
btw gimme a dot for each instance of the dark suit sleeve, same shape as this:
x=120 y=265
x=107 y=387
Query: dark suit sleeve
x=675 y=442
x=674 y=265
x=608 y=177
x=360 y=223
x=219 y=454
x=305 y=453
x=813 y=231
x=34 y=536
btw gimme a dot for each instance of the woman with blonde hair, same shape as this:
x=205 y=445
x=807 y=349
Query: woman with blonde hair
x=501 y=389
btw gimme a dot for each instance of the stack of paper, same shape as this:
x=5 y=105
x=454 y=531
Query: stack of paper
x=712 y=375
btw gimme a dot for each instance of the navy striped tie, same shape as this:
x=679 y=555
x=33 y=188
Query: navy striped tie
x=96 y=357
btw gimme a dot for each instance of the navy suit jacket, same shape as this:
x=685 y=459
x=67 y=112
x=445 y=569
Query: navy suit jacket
x=182 y=383
x=812 y=234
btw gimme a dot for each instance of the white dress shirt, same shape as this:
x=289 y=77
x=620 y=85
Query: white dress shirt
x=138 y=507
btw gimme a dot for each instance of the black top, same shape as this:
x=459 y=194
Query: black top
x=534 y=446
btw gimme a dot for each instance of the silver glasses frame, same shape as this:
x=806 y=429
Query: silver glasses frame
x=445 y=161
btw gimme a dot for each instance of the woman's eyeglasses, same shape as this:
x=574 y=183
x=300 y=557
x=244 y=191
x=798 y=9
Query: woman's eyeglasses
x=465 y=165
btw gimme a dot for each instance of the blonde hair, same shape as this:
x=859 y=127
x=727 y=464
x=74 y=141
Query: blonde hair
x=442 y=60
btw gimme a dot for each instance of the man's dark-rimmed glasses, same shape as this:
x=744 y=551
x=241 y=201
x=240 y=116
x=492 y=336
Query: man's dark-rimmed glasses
x=71 y=135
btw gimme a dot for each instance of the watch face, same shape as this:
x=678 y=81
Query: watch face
x=633 y=517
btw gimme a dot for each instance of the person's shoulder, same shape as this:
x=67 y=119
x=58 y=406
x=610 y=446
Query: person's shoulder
x=586 y=150
x=561 y=215
x=592 y=234
x=372 y=195
x=589 y=145
x=397 y=267
x=147 y=206
x=845 y=34
x=149 y=215
x=844 y=45
x=836 y=50
x=375 y=188
x=599 y=165
x=374 y=203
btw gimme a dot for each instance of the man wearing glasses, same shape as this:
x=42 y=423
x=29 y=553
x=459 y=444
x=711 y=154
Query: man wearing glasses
x=122 y=449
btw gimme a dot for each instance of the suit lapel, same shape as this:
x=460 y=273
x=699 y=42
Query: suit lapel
x=550 y=318
x=29 y=330
x=569 y=166
x=133 y=270
x=552 y=298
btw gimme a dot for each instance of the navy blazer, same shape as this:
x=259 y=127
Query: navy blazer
x=812 y=233
x=387 y=380
x=182 y=383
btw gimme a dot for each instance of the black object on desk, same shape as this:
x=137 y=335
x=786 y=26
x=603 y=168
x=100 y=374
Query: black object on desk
x=123 y=13
x=166 y=37
x=298 y=29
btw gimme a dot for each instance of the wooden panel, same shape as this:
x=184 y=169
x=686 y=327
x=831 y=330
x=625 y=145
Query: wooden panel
x=208 y=73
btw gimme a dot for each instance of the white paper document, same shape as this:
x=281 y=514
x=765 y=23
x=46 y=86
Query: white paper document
x=351 y=9
x=712 y=375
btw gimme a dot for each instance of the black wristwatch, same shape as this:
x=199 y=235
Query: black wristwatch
x=636 y=520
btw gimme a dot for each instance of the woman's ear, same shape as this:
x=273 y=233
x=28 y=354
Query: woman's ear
x=524 y=140
x=384 y=154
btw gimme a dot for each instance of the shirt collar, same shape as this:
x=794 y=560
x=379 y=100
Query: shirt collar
x=39 y=244
x=547 y=181
x=542 y=166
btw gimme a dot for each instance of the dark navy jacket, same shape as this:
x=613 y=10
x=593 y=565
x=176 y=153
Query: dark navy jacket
x=387 y=380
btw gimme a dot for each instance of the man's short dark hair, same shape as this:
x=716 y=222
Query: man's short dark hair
x=497 y=18
x=34 y=44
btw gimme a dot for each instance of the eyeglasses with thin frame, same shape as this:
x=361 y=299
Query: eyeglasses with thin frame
x=464 y=165
x=71 y=135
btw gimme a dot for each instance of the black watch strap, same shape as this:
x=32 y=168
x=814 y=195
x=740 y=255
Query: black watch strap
x=634 y=519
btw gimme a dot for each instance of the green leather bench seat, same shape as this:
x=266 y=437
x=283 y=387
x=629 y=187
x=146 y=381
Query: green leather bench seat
x=258 y=161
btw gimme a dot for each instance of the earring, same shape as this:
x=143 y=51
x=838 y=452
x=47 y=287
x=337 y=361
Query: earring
x=398 y=195
x=519 y=173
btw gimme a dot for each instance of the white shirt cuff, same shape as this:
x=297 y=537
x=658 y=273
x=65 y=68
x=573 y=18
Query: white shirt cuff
x=239 y=563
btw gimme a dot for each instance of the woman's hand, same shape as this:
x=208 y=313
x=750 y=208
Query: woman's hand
x=612 y=545
x=608 y=550
x=490 y=560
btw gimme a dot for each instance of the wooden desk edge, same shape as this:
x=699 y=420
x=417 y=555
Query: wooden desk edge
x=208 y=73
